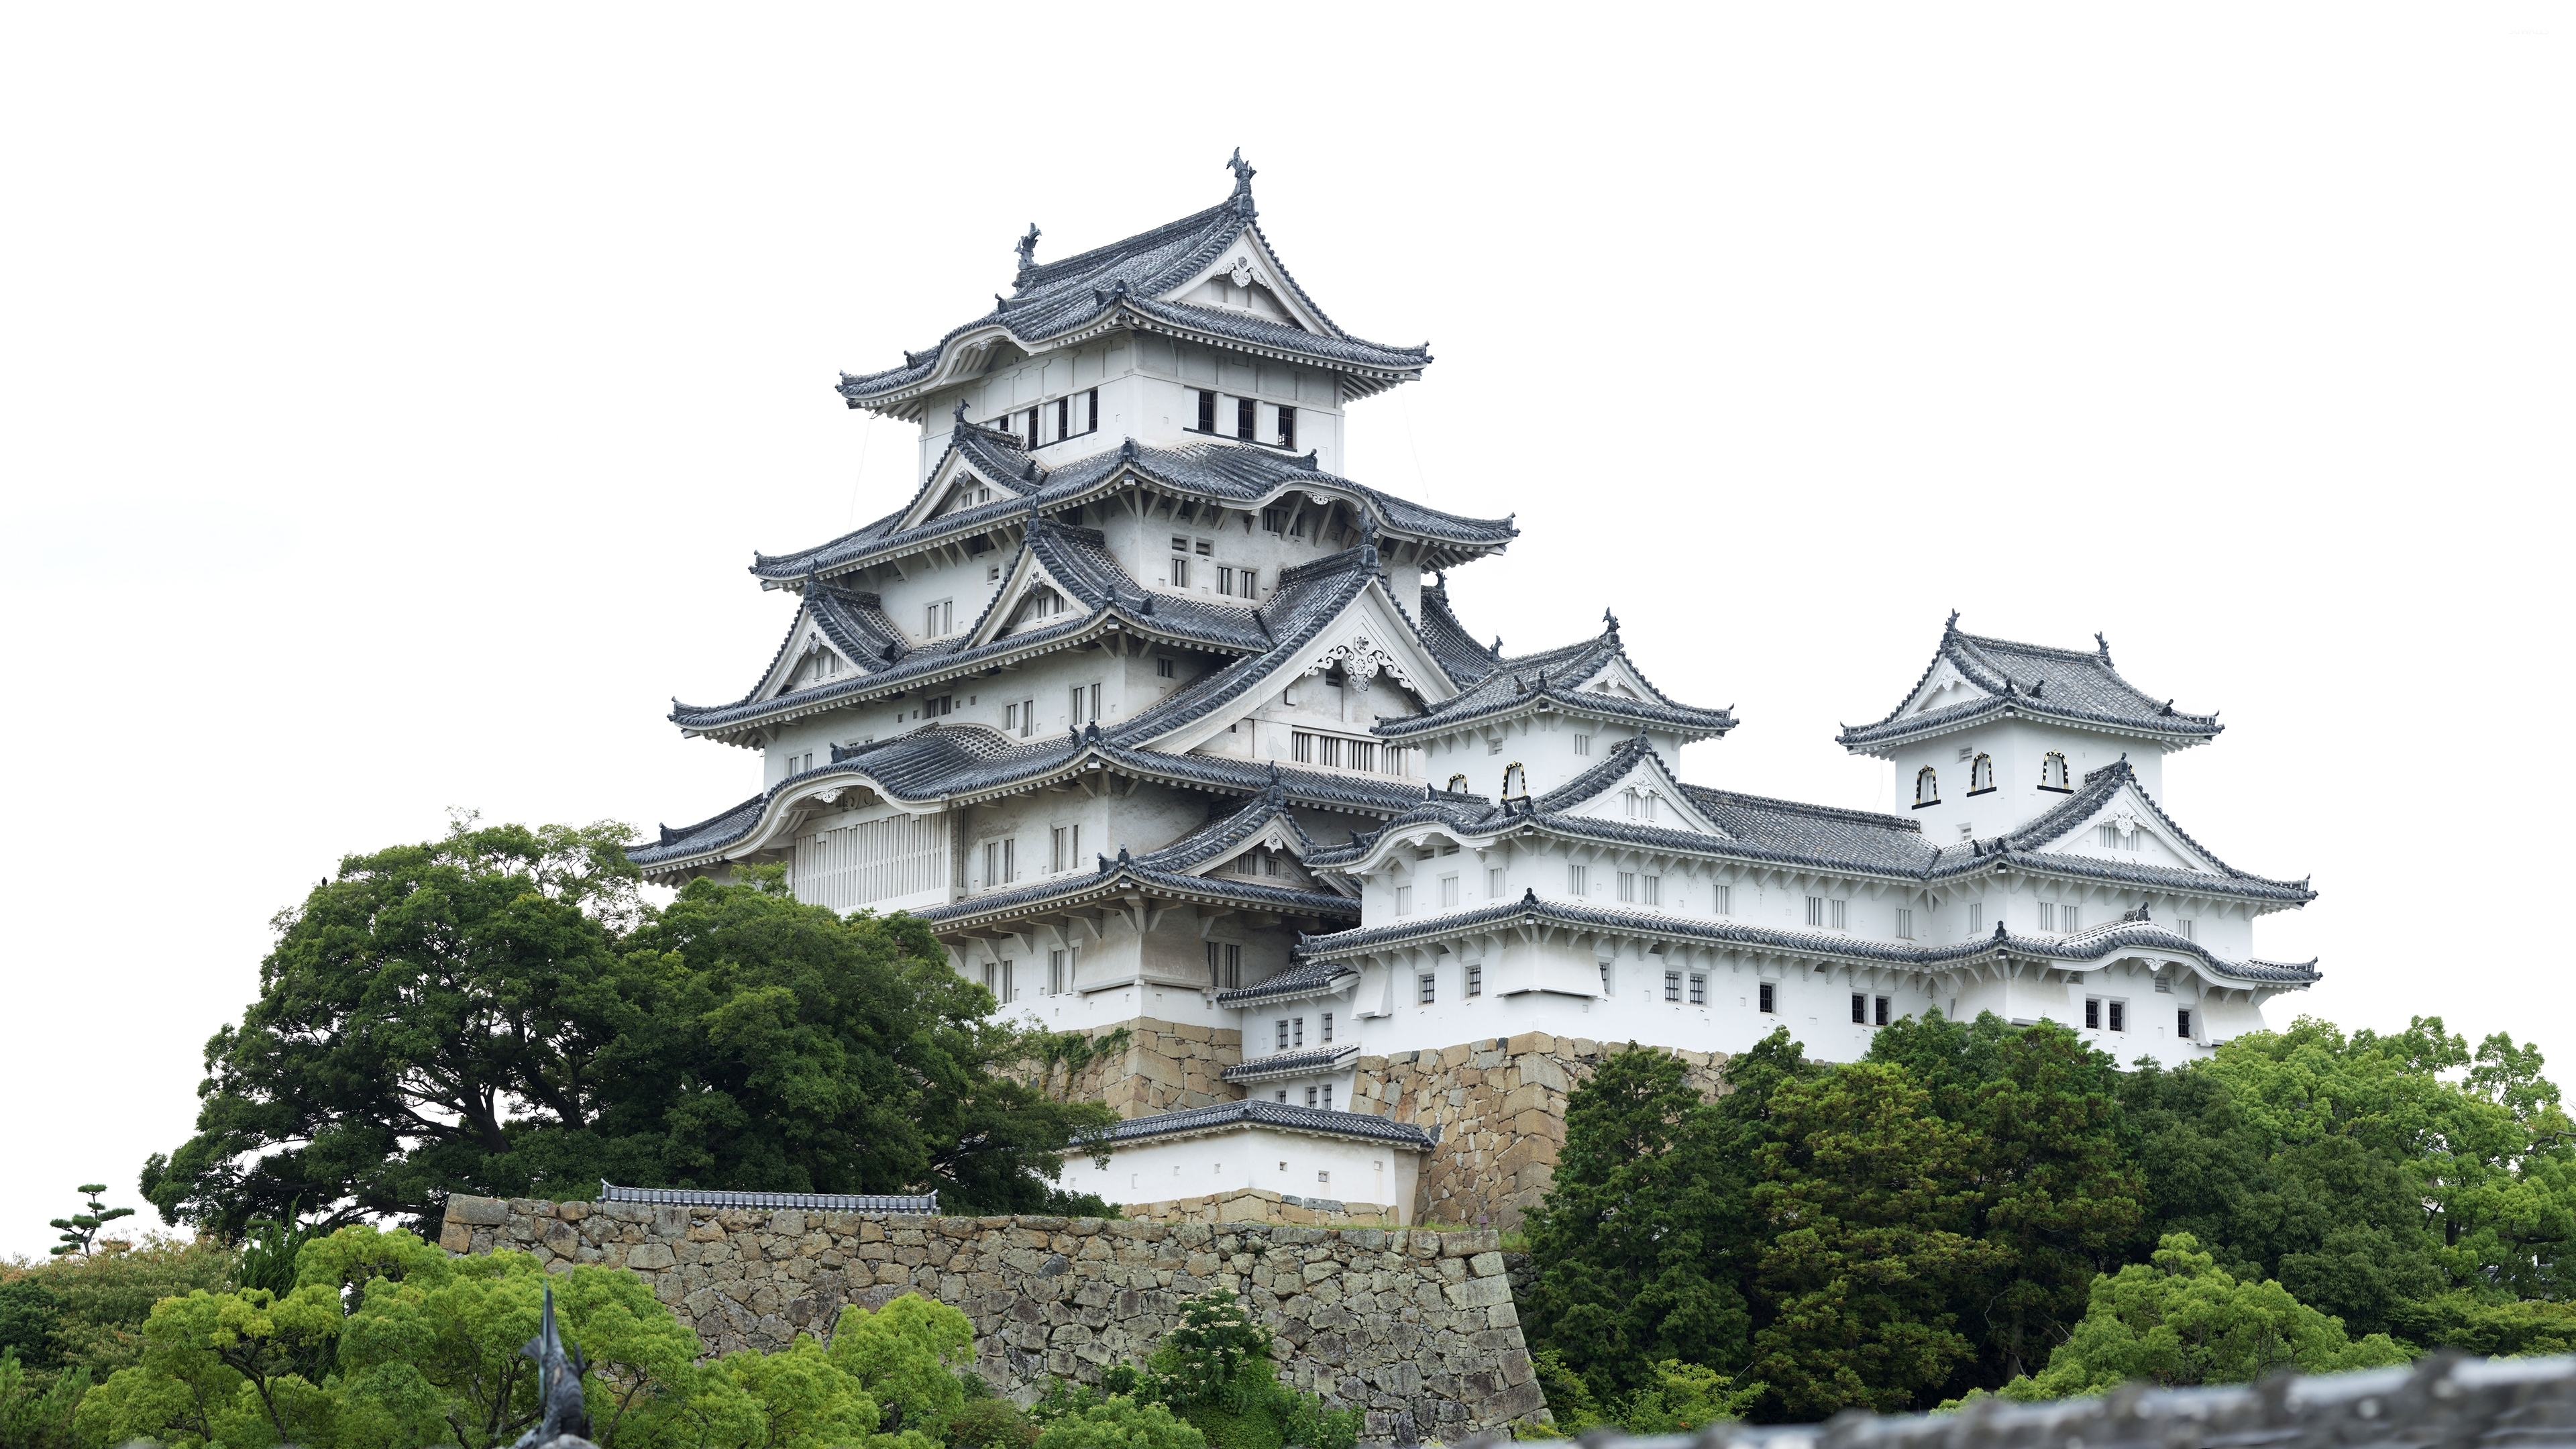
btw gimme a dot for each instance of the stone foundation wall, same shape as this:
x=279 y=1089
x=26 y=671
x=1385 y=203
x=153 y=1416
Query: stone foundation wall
x=1417 y=1329
x=1257 y=1205
x=1500 y=1107
x=1167 y=1065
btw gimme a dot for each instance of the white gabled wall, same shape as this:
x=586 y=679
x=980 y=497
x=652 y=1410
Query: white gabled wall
x=1295 y=1164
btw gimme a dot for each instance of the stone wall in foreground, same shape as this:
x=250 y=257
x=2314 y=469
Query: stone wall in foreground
x=1417 y=1329
x=1255 y=1205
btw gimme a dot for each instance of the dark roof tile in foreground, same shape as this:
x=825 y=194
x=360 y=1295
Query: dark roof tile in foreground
x=1256 y=1113
x=1293 y=1064
x=1302 y=979
x=2035 y=681
x=920 y=1205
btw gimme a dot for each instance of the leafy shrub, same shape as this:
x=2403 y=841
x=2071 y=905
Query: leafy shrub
x=1119 y=1422
x=987 y=1422
x=36 y=1416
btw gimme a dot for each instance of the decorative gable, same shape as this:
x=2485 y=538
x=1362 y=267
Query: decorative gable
x=2130 y=831
x=1246 y=278
x=1646 y=794
x=808 y=661
x=1270 y=858
x=954 y=488
x=1944 y=688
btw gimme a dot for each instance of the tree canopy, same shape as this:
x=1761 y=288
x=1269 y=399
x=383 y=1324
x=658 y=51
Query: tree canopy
x=1976 y=1205
x=496 y=1013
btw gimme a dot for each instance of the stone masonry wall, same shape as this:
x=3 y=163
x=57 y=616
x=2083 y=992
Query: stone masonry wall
x=1500 y=1107
x=1256 y=1205
x=1418 y=1329
x=1167 y=1065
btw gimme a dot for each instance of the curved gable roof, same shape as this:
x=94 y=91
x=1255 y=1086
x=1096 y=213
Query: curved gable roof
x=2004 y=678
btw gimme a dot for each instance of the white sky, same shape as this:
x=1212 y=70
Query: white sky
x=390 y=403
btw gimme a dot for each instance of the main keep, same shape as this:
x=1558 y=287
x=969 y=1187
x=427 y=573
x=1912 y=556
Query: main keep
x=1363 y=890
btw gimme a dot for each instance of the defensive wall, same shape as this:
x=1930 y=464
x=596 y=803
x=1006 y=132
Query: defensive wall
x=1417 y=1329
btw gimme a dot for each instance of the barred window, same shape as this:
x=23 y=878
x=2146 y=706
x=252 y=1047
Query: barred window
x=1428 y=985
x=1768 y=1003
x=1672 y=986
x=1698 y=989
x=1476 y=980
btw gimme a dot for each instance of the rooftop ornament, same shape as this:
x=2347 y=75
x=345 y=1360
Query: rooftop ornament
x=1028 y=247
x=1243 y=174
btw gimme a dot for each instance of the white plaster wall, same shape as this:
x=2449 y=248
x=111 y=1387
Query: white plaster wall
x=2018 y=748
x=1292 y=1163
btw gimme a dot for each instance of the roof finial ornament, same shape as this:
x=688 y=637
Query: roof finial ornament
x=1028 y=247
x=1953 y=626
x=2102 y=646
x=1610 y=619
x=1498 y=646
x=1243 y=174
x=960 y=414
x=1368 y=539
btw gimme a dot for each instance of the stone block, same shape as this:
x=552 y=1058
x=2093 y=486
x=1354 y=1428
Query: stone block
x=481 y=1212
x=650 y=1257
x=1478 y=1292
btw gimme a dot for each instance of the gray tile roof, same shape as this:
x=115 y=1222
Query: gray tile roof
x=1551 y=680
x=1125 y=873
x=1465 y=660
x=1302 y=979
x=1257 y=1113
x=1118 y=284
x=2085 y=947
x=920 y=1204
x=1293 y=1064
x=2030 y=681
x=1237 y=474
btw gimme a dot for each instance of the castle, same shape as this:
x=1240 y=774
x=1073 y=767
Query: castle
x=1364 y=891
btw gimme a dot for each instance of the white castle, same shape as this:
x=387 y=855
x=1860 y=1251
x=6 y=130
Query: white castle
x=1247 y=786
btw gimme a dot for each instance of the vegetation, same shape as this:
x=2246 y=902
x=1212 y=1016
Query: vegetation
x=1210 y=1384
x=495 y=1013
x=1977 y=1208
x=80 y=1230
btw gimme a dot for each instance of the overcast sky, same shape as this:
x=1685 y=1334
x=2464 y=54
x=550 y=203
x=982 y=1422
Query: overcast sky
x=394 y=398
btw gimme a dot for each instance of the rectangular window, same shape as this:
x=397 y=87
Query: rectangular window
x=2110 y=837
x=1328 y=750
x=1010 y=719
x=2119 y=1016
x=1404 y=900
x=1427 y=986
x=1721 y=900
x=1009 y=993
x=2092 y=1013
x=1698 y=989
x=2047 y=916
x=1288 y=427
x=1066 y=848
x=1225 y=580
x=1574 y=881
x=1650 y=890
x=1815 y=910
x=1297 y=1032
x=1326 y=1177
x=1672 y=986
x=1166 y=668
x=1904 y=924
x=2187 y=928
x=1627 y=885
x=1180 y=573
x=938 y=619
x=1976 y=919
x=1328 y=1026
x=1055 y=973
x=1583 y=744
x=1091 y=411
x=1605 y=978
x=1246 y=417
x=1860 y=1009
x=1310 y=1099
x=1878 y=1008
x=1476 y=980
x=1283 y=1034
x=1764 y=1001
x=1063 y=418
x=1363 y=754
x=1207 y=411
x=1839 y=916
x=1448 y=892
x=2182 y=1022
x=1031 y=433
x=2072 y=918
x=1494 y=884
x=932 y=707
x=1301 y=748
x=1274 y=520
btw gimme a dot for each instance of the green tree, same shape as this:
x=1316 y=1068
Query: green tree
x=80 y=1230
x=908 y=1356
x=1119 y=1422
x=1870 y=1202
x=2182 y=1320
x=494 y=1013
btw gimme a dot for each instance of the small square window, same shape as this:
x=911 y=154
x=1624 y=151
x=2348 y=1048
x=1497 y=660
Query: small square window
x=1769 y=1003
x=2119 y=1016
x=1475 y=981
x=1672 y=986
x=2092 y=1013
x=1878 y=1010
x=1698 y=989
x=1860 y=1009
x=2182 y=1022
x=1165 y=668
x=1428 y=987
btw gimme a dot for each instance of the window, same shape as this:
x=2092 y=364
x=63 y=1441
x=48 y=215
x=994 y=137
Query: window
x=1574 y=880
x=2119 y=1016
x=1927 y=787
x=1055 y=973
x=1283 y=1034
x=1086 y=705
x=1301 y=748
x=1247 y=583
x=1449 y=895
x=2047 y=916
x=1860 y=1009
x=1065 y=848
x=1427 y=985
x=1838 y=914
x=1721 y=900
x=2187 y=928
x=1699 y=988
x=2073 y=918
x=1627 y=885
x=1310 y=1101
x=1815 y=910
x=1904 y=924
x=1404 y=900
x=2182 y=1022
x=1091 y=411
x=2092 y=1013
x=1000 y=867
x=1029 y=435
x=1225 y=580
x=1767 y=1002
x=1326 y=1177
x=2052 y=772
x=1063 y=418
x=1494 y=884
x=1399 y=760
x=1650 y=890
x=1981 y=775
x=1297 y=1032
x=1363 y=754
x=1328 y=1026
x=1011 y=719
x=1274 y=520
x=1605 y=978
x=1165 y=668
x=1976 y=919
x=1288 y=427
x=1328 y=750
x=1878 y=1010
x=1180 y=571
x=938 y=619
x=1246 y=416
x=1515 y=781
x=1672 y=986
x=2110 y=836
x=1476 y=980
x=1583 y=744
x=1207 y=411
x=934 y=706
